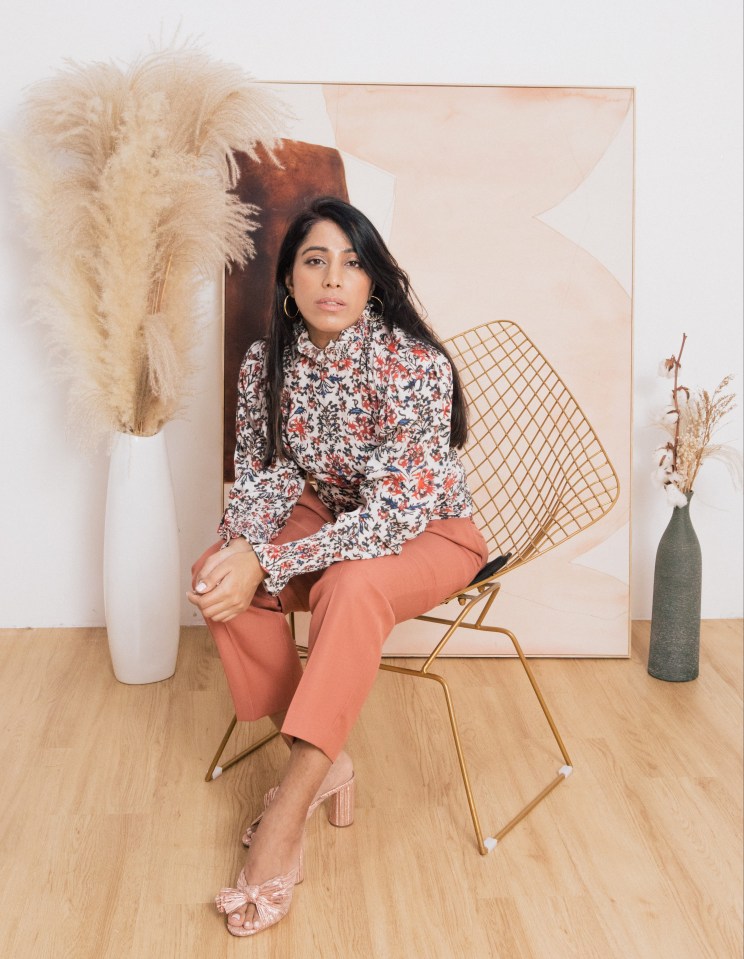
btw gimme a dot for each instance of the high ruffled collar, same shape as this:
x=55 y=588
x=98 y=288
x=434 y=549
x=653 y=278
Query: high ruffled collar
x=347 y=342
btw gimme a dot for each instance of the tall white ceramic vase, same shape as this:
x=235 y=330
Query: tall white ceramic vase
x=141 y=561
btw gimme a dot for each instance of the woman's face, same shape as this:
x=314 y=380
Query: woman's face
x=327 y=282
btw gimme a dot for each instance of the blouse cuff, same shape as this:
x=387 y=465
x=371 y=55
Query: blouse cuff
x=269 y=559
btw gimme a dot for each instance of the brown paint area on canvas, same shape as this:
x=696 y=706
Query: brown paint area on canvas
x=307 y=170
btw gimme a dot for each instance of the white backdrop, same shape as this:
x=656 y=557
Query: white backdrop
x=683 y=58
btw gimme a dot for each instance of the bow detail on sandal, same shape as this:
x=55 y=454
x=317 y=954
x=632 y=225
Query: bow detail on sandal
x=272 y=900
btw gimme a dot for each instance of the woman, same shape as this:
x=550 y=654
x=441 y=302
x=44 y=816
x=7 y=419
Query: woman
x=352 y=391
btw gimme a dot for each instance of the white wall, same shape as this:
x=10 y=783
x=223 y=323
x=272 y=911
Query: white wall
x=683 y=57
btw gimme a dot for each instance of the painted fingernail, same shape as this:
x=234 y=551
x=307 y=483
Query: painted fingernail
x=201 y=587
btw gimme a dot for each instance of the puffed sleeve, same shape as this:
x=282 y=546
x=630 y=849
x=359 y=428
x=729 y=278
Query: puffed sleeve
x=261 y=499
x=404 y=477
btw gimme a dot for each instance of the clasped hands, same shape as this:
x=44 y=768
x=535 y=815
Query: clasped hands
x=226 y=583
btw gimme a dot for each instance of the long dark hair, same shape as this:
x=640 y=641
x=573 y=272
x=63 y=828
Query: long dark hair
x=390 y=284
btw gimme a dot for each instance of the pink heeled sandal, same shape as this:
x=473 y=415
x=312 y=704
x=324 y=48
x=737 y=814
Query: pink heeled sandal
x=272 y=900
x=340 y=807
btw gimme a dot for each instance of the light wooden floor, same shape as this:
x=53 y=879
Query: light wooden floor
x=113 y=846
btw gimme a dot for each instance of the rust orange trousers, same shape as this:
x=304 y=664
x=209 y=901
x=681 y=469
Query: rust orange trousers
x=354 y=605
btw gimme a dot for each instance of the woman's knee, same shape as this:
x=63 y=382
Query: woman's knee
x=195 y=569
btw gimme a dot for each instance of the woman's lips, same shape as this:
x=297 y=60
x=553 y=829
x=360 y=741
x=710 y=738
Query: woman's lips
x=330 y=305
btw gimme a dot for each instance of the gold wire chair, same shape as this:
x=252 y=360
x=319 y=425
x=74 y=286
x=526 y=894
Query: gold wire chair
x=539 y=475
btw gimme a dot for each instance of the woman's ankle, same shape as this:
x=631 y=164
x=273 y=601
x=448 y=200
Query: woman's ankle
x=339 y=772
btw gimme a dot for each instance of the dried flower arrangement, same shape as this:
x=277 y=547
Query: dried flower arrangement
x=691 y=420
x=124 y=176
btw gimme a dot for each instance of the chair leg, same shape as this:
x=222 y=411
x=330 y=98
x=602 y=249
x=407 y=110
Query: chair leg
x=487 y=843
x=215 y=769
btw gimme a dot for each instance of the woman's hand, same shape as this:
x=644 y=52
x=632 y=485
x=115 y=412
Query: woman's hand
x=227 y=581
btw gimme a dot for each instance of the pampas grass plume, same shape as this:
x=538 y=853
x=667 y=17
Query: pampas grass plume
x=125 y=176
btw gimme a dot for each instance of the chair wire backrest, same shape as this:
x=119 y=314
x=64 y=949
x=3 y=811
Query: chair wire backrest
x=537 y=471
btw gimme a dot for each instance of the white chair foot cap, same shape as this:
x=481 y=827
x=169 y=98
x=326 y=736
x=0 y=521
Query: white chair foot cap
x=565 y=771
x=490 y=843
x=217 y=772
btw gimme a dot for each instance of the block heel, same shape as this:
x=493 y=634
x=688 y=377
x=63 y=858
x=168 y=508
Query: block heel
x=341 y=804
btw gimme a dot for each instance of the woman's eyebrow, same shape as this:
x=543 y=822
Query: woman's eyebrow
x=324 y=249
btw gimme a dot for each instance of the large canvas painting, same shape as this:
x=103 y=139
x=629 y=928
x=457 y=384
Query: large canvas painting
x=501 y=203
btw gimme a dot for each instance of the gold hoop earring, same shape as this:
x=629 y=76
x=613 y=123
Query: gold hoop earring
x=290 y=316
x=382 y=306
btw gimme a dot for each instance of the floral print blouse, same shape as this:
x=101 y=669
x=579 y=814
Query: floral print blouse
x=368 y=420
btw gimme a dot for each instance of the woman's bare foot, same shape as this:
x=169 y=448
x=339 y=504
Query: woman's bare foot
x=275 y=852
x=275 y=848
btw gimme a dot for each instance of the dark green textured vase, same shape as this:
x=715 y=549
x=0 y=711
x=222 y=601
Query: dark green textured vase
x=674 y=651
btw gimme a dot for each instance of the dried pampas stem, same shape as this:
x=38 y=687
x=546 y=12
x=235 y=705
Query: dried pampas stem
x=162 y=282
x=124 y=176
